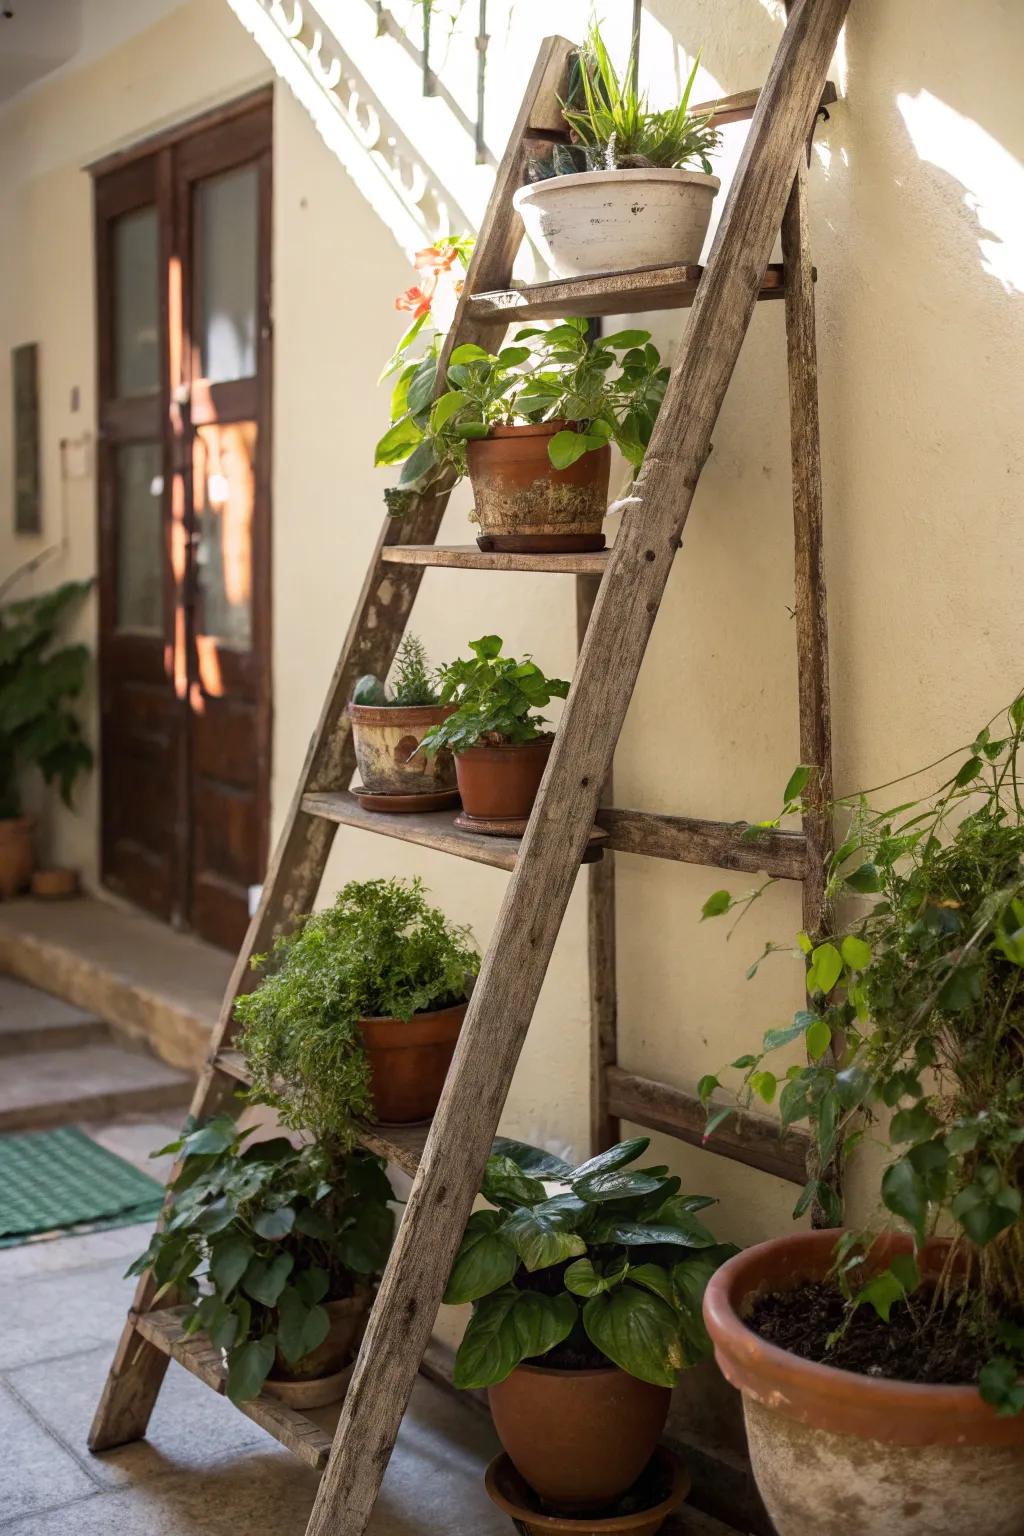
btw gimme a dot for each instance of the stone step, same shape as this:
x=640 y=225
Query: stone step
x=31 y=1020
x=100 y=1081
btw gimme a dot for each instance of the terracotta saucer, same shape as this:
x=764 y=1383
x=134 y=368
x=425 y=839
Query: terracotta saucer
x=641 y=1512
x=435 y=800
x=515 y=826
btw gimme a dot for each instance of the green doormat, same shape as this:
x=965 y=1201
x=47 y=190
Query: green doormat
x=55 y=1182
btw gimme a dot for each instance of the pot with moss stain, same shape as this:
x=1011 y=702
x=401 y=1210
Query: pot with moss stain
x=859 y=1455
x=322 y=1376
x=15 y=855
x=579 y=1438
x=387 y=745
x=409 y=1061
x=523 y=503
x=500 y=783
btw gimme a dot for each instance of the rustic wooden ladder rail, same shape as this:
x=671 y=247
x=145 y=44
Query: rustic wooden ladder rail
x=618 y=594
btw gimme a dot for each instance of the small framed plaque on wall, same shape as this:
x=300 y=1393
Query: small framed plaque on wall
x=25 y=375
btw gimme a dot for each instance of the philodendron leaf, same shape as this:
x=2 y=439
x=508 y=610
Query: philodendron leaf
x=541 y=1322
x=583 y=1279
x=229 y=1261
x=508 y=1327
x=543 y=1234
x=532 y=1160
x=505 y=1184
x=248 y=1368
x=300 y=1328
x=274 y=1224
x=265 y=1279
x=313 y=1284
x=616 y=1157
x=638 y=1234
x=620 y=1184
x=638 y=1332
x=485 y=1262
x=364 y=1246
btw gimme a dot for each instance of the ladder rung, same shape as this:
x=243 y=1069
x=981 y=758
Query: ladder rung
x=430 y=829
x=689 y=840
x=467 y=557
x=399 y=1144
x=752 y=1139
x=307 y=1440
x=606 y=293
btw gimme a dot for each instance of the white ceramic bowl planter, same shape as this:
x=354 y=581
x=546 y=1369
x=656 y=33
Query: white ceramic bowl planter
x=612 y=221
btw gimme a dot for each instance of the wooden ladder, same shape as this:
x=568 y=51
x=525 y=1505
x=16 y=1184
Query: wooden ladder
x=618 y=595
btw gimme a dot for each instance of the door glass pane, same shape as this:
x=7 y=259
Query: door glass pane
x=224 y=489
x=136 y=304
x=139 y=484
x=227 y=243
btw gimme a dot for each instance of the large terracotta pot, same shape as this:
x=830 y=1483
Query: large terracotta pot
x=321 y=1376
x=387 y=739
x=853 y=1455
x=523 y=503
x=579 y=1438
x=409 y=1062
x=614 y=221
x=15 y=855
x=501 y=783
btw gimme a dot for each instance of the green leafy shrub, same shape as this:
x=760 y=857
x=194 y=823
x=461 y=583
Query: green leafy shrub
x=607 y=390
x=381 y=951
x=614 y=124
x=495 y=695
x=37 y=727
x=257 y=1239
x=916 y=1011
x=611 y=1269
x=413 y=681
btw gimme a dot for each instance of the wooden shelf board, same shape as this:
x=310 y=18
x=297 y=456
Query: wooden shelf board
x=719 y=844
x=308 y=1440
x=606 y=293
x=467 y=557
x=432 y=829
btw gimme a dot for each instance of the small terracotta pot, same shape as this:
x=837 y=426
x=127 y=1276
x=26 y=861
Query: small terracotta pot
x=523 y=502
x=409 y=1062
x=348 y=1319
x=387 y=739
x=665 y=1484
x=579 y=1438
x=502 y=782
x=15 y=855
x=54 y=884
x=858 y=1455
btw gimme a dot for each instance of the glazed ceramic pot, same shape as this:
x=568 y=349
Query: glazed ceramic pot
x=614 y=221
x=501 y=783
x=580 y=1439
x=859 y=1455
x=15 y=855
x=523 y=503
x=409 y=1062
x=387 y=741
x=659 y=1494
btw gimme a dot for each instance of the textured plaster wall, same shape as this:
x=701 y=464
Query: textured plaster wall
x=916 y=193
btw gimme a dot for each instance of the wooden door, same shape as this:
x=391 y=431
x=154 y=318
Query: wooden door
x=183 y=250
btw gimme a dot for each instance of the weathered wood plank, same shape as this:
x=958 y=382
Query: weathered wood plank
x=752 y=1139
x=690 y=840
x=163 y=1330
x=739 y=107
x=527 y=926
x=606 y=293
x=467 y=557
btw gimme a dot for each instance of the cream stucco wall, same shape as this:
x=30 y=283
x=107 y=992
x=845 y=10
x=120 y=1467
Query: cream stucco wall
x=916 y=198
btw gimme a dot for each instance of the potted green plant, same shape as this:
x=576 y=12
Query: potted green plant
x=586 y=1308
x=891 y=1360
x=388 y=724
x=38 y=728
x=359 y=1011
x=500 y=749
x=638 y=200
x=274 y=1249
x=531 y=426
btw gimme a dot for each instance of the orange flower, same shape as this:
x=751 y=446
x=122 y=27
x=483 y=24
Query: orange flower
x=415 y=301
x=435 y=258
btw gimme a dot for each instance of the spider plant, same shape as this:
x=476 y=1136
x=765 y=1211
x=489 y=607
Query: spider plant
x=616 y=126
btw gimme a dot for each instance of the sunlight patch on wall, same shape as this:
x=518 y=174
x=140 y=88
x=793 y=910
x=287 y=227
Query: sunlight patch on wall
x=992 y=179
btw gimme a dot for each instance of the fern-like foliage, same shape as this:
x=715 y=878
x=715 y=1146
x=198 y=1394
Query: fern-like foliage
x=38 y=728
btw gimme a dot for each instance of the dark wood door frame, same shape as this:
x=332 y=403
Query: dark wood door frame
x=162 y=666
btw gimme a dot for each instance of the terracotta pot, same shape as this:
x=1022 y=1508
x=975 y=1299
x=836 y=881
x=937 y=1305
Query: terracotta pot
x=521 y=501
x=54 y=884
x=387 y=739
x=502 y=782
x=409 y=1062
x=579 y=1438
x=614 y=221
x=661 y=1490
x=15 y=855
x=348 y=1319
x=857 y=1455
